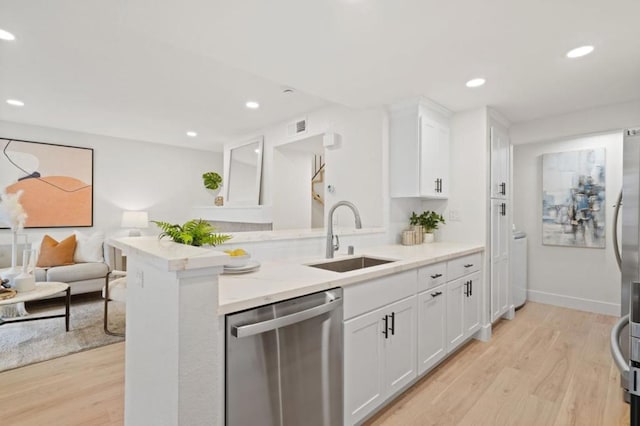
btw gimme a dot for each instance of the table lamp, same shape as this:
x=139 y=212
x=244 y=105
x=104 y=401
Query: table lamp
x=135 y=221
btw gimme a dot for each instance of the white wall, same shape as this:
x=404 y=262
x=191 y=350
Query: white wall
x=354 y=165
x=579 y=278
x=468 y=175
x=595 y=120
x=292 y=204
x=132 y=175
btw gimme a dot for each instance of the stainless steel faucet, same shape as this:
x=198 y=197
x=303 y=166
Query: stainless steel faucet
x=330 y=246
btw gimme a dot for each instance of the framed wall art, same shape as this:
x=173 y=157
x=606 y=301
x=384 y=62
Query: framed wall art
x=573 y=198
x=56 y=180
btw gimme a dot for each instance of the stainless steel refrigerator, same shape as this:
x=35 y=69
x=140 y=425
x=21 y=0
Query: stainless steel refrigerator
x=628 y=255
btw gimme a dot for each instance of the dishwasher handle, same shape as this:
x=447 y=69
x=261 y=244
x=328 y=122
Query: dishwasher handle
x=272 y=324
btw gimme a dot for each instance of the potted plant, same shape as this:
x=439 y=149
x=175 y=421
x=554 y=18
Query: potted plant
x=212 y=181
x=195 y=232
x=429 y=221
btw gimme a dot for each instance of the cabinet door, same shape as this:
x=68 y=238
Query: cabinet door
x=499 y=142
x=429 y=144
x=472 y=303
x=500 y=235
x=443 y=161
x=434 y=158
x=432 y=333
x=400 y=344
x=363 y=365
x=455 y=313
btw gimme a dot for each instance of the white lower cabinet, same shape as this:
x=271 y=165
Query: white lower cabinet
x=455 y=313
x=363 y=365
x=432 y=337
x=463 y=309
x=399 y=327
x=472 y=304
x=379 y=357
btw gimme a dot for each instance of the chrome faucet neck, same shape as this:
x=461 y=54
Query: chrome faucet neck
x=356 y=213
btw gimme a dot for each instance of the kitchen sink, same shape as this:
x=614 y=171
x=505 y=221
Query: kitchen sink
x=351 y=264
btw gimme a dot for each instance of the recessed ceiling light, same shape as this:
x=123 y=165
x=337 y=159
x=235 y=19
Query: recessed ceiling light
x=192 y=134
x=6 y=35
x=15 y=102
x=252 y=105
x=476 y=82
x=579 y=51
x=257 y=151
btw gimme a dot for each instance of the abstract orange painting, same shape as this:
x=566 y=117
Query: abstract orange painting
x=57 y=181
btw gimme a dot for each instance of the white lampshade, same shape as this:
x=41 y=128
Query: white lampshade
x=135 y=220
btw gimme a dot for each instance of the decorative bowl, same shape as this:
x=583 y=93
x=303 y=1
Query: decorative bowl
x=238 y=261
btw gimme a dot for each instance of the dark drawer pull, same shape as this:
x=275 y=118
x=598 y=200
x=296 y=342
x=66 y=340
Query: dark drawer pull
x=385 y=331
x=436 y=294
x=468 y=265
x=436 y=276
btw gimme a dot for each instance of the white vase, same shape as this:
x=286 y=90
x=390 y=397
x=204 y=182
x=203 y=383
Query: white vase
x=429 y=237
x=24 y=282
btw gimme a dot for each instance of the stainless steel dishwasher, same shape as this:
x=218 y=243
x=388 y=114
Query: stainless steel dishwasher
x=284 y=363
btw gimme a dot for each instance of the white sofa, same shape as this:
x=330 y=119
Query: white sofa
x=83 y=277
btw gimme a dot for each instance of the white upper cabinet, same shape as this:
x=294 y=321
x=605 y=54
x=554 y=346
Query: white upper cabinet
x=419 y=150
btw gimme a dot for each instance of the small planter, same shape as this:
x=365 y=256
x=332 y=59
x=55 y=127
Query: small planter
x=417 y=229
x=429 y=237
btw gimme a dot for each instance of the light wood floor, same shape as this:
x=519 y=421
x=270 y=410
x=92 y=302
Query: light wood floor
x=549 y=366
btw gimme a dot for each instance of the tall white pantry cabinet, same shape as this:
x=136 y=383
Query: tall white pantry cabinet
x=500 y=228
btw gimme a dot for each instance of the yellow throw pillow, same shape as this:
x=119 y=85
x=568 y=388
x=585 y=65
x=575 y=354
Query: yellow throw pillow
x=53 y=253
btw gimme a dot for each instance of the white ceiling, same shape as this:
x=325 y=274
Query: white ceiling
x=150 y=70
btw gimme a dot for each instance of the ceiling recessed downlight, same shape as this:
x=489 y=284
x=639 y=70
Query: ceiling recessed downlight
x=476 y=82
x=192 y=134
x=15 y=102
x=6 y=35
x=252 y=105
x=579 y=51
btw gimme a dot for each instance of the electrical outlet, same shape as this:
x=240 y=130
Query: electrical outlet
x=140 y=279
x=454 y=215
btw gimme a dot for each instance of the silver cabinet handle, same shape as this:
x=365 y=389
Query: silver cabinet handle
x=272 y=324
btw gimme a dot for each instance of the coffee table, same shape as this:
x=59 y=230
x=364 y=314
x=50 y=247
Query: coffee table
x=42 y=290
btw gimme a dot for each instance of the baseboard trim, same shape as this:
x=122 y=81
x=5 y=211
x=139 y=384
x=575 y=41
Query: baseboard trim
x=578 y=303
x=484 y=334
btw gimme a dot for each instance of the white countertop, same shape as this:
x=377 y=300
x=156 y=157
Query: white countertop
x=170 y=256
x=276 y=281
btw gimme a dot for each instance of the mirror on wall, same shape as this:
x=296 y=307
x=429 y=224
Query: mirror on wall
x=243 y=173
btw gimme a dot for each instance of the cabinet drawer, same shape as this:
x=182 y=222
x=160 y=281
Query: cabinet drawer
x=369 y=295
x=461 y=266
x=432 y=276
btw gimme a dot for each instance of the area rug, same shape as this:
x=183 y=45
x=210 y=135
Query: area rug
x=34 y=341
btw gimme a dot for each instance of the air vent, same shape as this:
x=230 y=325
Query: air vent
x=297 y=127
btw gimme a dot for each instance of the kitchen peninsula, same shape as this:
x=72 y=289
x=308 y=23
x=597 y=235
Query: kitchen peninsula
x=176 y=304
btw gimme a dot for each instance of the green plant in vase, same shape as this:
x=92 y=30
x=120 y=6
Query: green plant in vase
x=212 y=180
x=429 y=221
x=195 y=232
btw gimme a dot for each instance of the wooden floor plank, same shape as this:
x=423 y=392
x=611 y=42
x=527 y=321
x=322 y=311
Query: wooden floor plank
x=548 y=366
